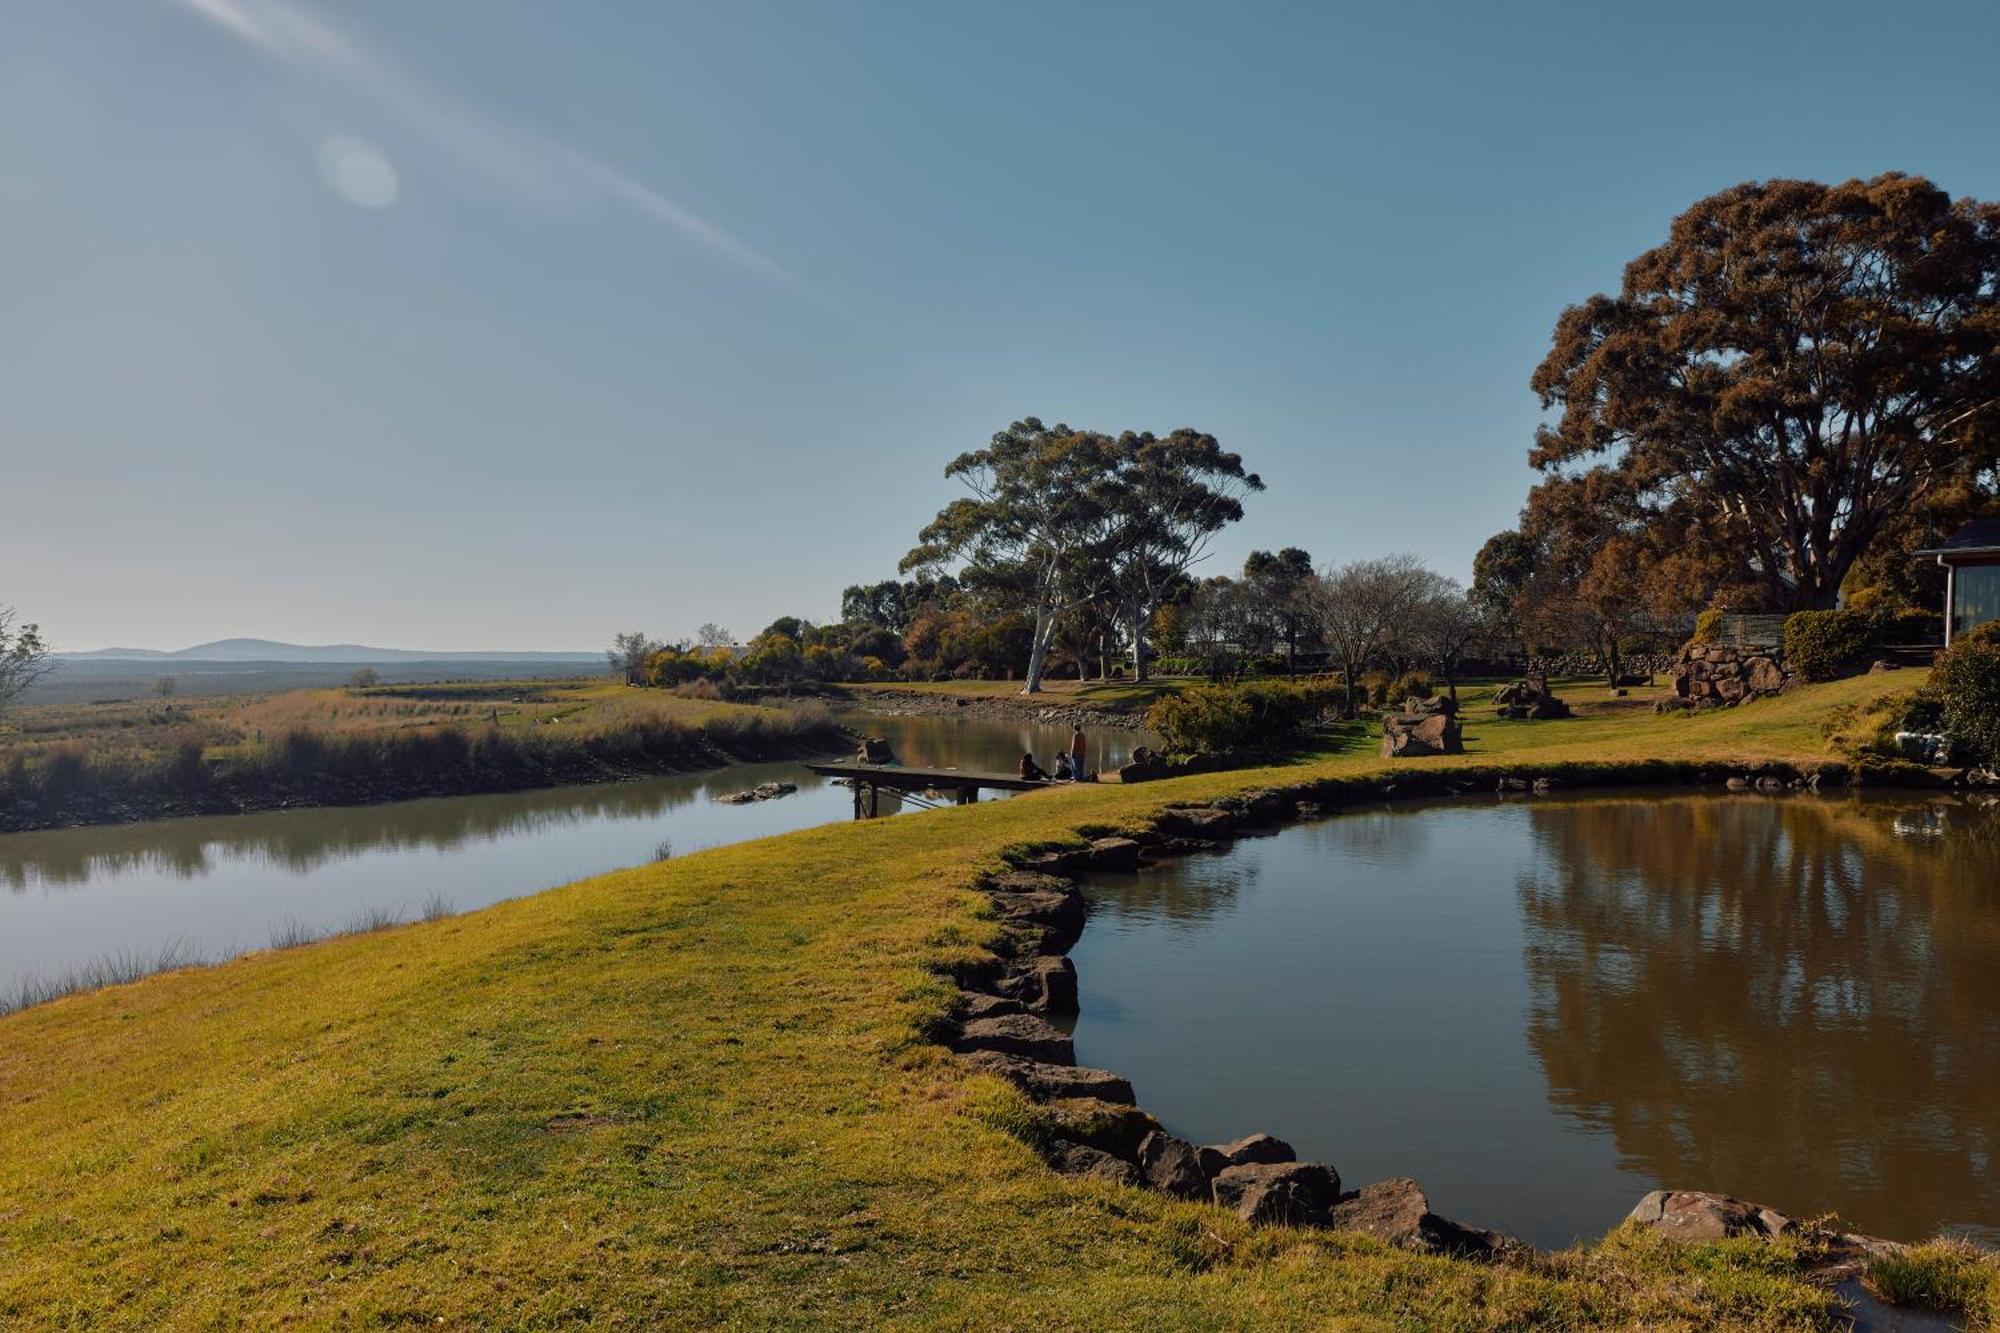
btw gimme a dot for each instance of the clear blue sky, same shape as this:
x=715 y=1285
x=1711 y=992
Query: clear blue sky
x=502 y=323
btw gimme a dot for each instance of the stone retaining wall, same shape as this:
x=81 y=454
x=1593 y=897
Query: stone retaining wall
x=1719 y=675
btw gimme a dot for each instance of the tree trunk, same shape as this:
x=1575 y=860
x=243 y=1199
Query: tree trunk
x=1139 y=644
x=1347 y=674
x=1045 y=624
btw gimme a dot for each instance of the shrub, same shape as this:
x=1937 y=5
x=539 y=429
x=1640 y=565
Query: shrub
x=1825 y=645
x=1229 y=717
x=1966 y=685
x=1708 y=625
x=1909 y=625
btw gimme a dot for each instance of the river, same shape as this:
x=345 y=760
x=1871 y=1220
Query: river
x=216 y=887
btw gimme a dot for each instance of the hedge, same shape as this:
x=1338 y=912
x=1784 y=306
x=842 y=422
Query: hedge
x=1826 y=645
x=1966 y=683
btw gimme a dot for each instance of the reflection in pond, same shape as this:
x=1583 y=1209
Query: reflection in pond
x=226 y=884
x=1801 y=999
x=1544 y=1008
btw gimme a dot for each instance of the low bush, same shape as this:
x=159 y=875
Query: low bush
x=1826 y=645
x=1708 y=626
x=1258 y=715
x=1966 y=685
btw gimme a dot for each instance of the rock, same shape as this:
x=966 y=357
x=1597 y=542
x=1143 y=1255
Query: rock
x=1693 y=1215
x=1149 y=769
x=1047 y=1083
x=1948 y=777
x=1051 y=986
x=976 y=1004
x=1397 y=1212
x=1528 y=699
x=1880 y=665
x=1298 y=1194
x=1409 y=737
x=1018 y=1034
x=1254 y=1149
x=1309 y=809
x=1060 y=912
x=1115 y=854
x=1738 y=784
x=1172 y=1166
x=1196 y=821
x=1113 y=1127
x=1764 y=676
x=1768 y=783
x=1545 y=785
x=1264 y=806
x=1031 y=881
x=1513 y=784
x=767 y=791
x=1080 y=1159
x=1440 y=706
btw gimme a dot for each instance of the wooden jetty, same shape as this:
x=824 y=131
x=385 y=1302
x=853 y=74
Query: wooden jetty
x=961 y=785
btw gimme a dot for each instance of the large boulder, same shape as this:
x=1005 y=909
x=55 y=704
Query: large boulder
x=1253 y=1149
x=1298 y=1194
x=1018 y=1034
x=1172 y=1166
x=1528 y=699
x=1695 y=1215
x=1405 y=736
x=1396 y=1211
x=1046 y=1082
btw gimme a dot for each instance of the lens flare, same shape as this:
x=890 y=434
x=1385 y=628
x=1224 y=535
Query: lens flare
x=355 y=170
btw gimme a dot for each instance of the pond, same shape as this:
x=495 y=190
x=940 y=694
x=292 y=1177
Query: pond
x=1544 y=1008
x=220 y=886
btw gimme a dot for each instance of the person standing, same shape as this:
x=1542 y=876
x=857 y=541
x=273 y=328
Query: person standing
x=1078 y=752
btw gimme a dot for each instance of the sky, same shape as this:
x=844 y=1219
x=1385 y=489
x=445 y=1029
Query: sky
x=508 y=324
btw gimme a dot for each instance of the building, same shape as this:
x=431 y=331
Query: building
x=1971 y=560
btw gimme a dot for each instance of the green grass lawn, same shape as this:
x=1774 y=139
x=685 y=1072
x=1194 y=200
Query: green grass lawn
x=693 y=1094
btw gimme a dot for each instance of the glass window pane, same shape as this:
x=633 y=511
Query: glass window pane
x=1975 y=597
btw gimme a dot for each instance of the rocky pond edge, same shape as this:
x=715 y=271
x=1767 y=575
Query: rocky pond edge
x=1091 y=1125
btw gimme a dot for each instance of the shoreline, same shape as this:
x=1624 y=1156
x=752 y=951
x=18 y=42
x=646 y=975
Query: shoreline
x=138 y=803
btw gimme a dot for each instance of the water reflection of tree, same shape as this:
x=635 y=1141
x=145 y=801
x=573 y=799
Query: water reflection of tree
x=300 y=840
x=1791 y=1000
x=1181 y=893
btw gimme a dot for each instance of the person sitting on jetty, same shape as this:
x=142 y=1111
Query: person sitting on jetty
x=1065 y=770
x=875 y=750
x=1030 y=770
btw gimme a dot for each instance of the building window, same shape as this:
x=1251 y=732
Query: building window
x=1975 y=597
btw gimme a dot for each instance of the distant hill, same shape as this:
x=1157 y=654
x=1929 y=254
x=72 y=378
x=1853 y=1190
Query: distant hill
x=268 y=650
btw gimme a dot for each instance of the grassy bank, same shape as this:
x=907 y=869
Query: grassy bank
x=694 y=1094
x=64 y=766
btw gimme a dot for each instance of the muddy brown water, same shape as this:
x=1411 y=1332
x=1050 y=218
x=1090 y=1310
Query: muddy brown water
x=221 y=886
x=1543 y=1008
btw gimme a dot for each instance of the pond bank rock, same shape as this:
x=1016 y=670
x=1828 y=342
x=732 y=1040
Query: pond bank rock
x=1251 y=1150
x=1695 y=1215
x=1397 y=1211
x=1080 y=1159
x=1046 y=1082
x=1018 y=1034
x=1298 y=1194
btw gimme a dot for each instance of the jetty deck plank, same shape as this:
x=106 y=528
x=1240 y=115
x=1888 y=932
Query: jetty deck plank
x=921 y=779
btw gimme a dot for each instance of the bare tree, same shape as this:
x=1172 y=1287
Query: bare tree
x=713 y=635
x=1443 y=625
x=24 y=657
x=627 y=656
x=166 y=687
x=1361 y=607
